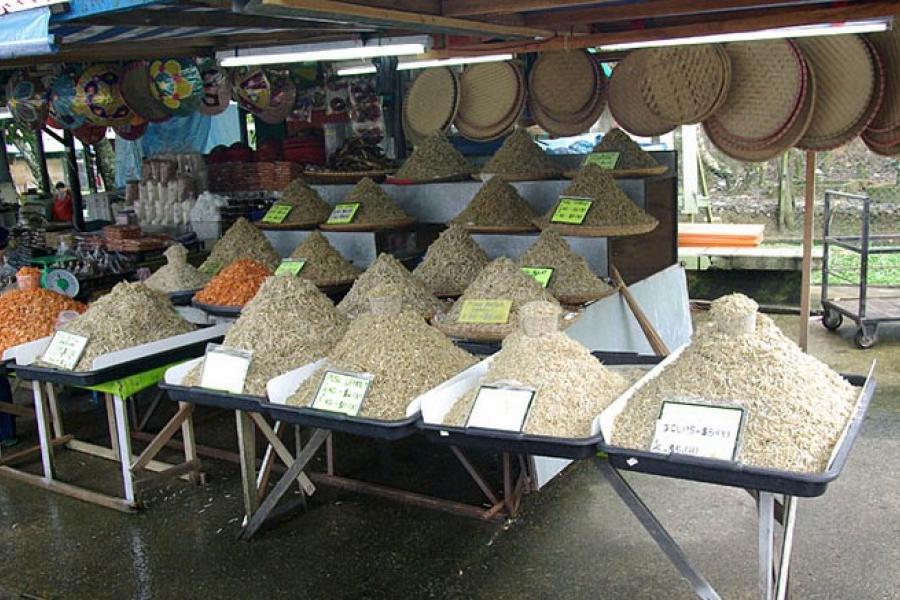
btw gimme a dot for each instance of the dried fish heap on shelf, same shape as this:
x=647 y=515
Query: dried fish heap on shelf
x=631 y=155
x=571 y=386
x=356 y=154
x=795 y=406
x=324 y=265
x=451 y=263
x=242 y=240
x=235 y=285
x=405 y=355
x=496 y=206
x=611 y=213
x=308 y=207
x=388 y=270
x=572 y=281
x=288 y=324
x=521 y=159
x=375 y=206
x=130 y=315
x=27 y=315
x=435 y=159
x=177 y=275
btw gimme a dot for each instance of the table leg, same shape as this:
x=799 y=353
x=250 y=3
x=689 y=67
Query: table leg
x=43 y=426
x=123 y=430
x=55 y=415
x=787 y=546
x=766 y=529
x=190 y=442
x=246 y=433
x=111 y=422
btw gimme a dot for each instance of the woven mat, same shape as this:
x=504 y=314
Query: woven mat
x=431 y=103
x=563 y=83
x=845 y=82
x=887 y=46
x=683 y=84
x=626 y=103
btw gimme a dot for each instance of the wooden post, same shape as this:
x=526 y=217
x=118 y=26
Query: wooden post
x=75 y=183
x=45 y=184
x=809 y=197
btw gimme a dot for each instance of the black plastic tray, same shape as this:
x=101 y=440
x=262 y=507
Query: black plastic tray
x=205 y=397
x=182 y=298
x=232 y=312
x=139 y=365
x=373 y=428
x=733 y=474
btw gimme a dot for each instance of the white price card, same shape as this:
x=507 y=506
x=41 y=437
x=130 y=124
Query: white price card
x=503 y=408
x=225 y=369
x=342 y=392
x=65 y=350
x=698 y=430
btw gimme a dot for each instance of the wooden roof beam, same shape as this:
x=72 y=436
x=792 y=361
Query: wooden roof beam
x=474 y=8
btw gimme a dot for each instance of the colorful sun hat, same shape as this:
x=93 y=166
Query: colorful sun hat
x=252 y=88
x=100 y=96
x=136 y=90
x=90 y=134
x=284 y=95
x=27 y=100
x=63 y=95
x=177 y=84
x=216 y=88
x=132 y=130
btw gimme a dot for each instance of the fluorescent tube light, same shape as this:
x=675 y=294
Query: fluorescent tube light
x=446 y=62
x=363 y=69
x=322 y=52
x=5 y=114
x=867 y=26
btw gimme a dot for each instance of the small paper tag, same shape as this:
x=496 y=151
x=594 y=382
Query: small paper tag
x=698 y=430
x=225 y=369
x=343 y=213
x=342 y=392
x=290 y=267
x=571 y=210
x=485 y=312
x=604 y=160
x=65 y=350
x=540 y=274
x=503 y=408
x=278 y=213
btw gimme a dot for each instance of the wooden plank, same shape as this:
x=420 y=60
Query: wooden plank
x=72 y=491
x=246 y=433
x=158 y=442
x=470 y=8
x=29 y=453
x=14 y=409
x=354 y=13
x=110 y=454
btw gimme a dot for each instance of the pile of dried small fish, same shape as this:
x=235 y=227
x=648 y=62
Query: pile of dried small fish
x=406 y=356
x=288 y=324
x=796 y=406
x=520 y=158
x=308 y=206
x=434 y=158
x=631 y=155
x=375 y=206
x=324 y=265
x=496 y=204
x=356 y=154
x=177 y=275
x=387 y=270
x=572 y=277
x=242 y=240
x=130 y=315
x=451 y=263
x=571 y=386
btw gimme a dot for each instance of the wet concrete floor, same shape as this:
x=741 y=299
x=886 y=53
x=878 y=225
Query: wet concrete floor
x=575 y=539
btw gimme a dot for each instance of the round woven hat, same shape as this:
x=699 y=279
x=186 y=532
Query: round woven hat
x=216 y=89
x=100 y=95
x=561 y=124
x=684 y=84
x=491 y=100
x=284 y=94
x=887 y=47
x=845 y=81
x=89 y=134
x=563 y=83
x=251 y=88
x=63 y=96
x=133 y=130
x=431 y=103
x=626 y=103
x=26 y=99
x=177 y=84
x=765 y=93
x=136 y=92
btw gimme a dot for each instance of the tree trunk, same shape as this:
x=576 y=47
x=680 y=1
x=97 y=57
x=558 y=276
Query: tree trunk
x=25 y=142
x=106 y=163
x=785 y=193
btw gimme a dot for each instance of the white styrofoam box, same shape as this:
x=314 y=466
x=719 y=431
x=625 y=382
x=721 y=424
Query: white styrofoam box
x=283 y=387
x=175 y=375
x=25 y=354
x=437 y=402
x=179 y=341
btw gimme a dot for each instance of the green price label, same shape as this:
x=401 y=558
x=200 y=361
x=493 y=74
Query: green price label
x=210 y=268
x=277 y=214
x=290 y=267
x=342 y=392
x=343 y=213
x=540 y=274
x=485 y=312
x=604 y=160
x=571 y=210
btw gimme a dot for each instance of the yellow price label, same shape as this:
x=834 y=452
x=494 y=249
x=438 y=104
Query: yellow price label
x=604 y=160
x=277 y=214
x=571 y=210
x=343 y=213
x=540 y=274
x=485 y=312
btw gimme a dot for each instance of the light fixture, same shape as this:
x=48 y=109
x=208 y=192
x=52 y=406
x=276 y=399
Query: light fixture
x=356 y=68
x=867 y=26
x=5 y=114
x=447 y=62
x=356 y=49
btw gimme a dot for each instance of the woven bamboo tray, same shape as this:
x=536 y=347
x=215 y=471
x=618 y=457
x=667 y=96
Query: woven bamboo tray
x=564 y=84
x=498 y=229
x=431 y=103
x=488 y=333
x=887 y=47
x=445 y=179
x=626 y=173
x=578 y=300
x=597 y=231
x=305 y=226
x=684 y=84
x=492 y=96
x=513 y=177
x=386 y=225
x=626 y=103
x=345 y=177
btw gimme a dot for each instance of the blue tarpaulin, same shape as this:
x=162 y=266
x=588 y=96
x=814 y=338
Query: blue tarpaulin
x=26 y=33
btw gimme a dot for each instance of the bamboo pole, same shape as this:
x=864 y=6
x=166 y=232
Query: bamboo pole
x=809 y=197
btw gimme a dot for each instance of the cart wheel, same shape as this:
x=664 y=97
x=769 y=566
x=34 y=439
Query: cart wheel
x=832 y=319
x=864 y=341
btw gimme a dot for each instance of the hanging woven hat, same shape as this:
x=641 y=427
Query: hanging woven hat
x=684 y=84
x=100 y=95
x=492 y=96
x=89 y=134
x=26 y=99
x=63 y=97
x=626 y=103
x=134 y=129
x=887 y=47
x=284 y=94
x=136 y=86
x=177 y=84
x=216 y=89
x=252 y=88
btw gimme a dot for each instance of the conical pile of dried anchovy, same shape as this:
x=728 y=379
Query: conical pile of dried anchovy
x=242 y=240
x=521 y=158
x=496 y=204
x=631 y=155
x=375 y=206
x=451 y=263
x=572 y=277
x=177 y=275
x=571 y=386
x=130 y=315
x=324 y=264
x=387 y=270
x=406 y=356
x=288 y=324
x=796 y=406
x=308 y=204
x=434 y=158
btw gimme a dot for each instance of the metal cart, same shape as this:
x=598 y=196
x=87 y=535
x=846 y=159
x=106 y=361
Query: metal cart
x=867 y=312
